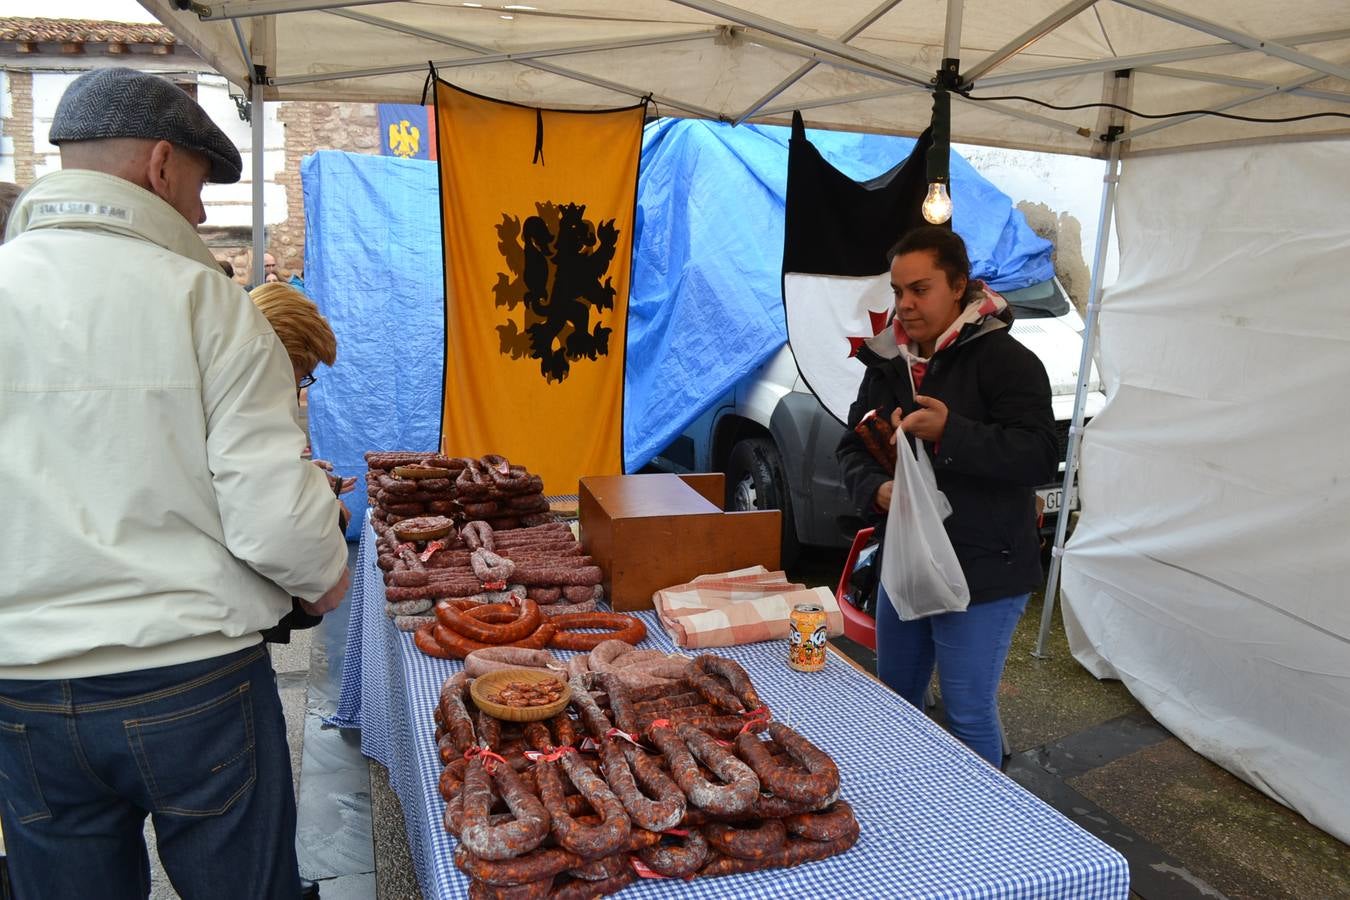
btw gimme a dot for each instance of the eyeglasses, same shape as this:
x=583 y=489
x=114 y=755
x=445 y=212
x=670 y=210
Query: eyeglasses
x=305 y=382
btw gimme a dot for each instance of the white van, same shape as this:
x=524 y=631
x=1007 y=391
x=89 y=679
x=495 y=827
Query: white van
x=775 y=441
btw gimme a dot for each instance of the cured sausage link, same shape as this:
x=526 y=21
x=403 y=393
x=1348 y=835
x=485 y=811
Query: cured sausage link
x=735 y=675
x=664 y=809
x=589 y=841
x=681 y=744
x=680 y=860
x=499 y=842
x=454 y=714
x=829 y=824
x=753 y=841
x=819 y=786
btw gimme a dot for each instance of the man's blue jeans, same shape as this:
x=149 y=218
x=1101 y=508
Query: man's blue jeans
x=969 y=649
x=201 y=747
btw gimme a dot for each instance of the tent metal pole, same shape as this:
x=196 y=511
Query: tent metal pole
x=1140 y=60
x=838 y=49
x=259 y=237
x=1027 y=38
x=489 y=58
x=1109 y=182
x=208 y=12
x=1232 y=81
x=856 y=29
x=883 y=94
x=951 y=40
x=1242 y=39
x=1241 y=101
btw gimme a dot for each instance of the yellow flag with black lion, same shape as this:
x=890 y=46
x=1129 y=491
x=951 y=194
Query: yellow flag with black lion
x=537 y=215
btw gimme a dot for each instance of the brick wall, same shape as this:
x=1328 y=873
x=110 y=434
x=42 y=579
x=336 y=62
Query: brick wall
x=311 y=126
x=20 y=125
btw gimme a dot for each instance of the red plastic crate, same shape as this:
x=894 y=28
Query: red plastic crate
x=858 y=625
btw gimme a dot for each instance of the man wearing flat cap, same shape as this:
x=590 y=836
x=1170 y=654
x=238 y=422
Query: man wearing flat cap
x=160 y=514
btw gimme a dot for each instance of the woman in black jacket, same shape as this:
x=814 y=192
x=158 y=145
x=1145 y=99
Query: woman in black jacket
x=982 y=410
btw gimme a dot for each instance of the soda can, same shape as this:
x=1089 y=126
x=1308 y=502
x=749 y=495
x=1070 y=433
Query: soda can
x=806 y=637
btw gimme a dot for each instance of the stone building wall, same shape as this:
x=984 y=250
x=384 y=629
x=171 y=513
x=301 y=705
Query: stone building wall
x=353 y=127
x=19 y=126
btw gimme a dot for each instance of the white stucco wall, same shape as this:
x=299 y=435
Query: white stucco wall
x=226 y=204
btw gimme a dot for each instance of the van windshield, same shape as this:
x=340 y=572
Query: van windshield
x=1039 y=301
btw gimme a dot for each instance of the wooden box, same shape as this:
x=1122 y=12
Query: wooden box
x=648 y=532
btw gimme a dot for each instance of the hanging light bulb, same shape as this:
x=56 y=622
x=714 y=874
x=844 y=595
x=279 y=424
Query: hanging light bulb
x=937 y=206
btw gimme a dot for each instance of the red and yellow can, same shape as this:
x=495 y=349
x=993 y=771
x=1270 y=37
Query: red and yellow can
x=806 y=637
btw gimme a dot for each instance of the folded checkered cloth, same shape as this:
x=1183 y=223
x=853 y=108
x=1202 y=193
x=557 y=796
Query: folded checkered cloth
x=739 y=607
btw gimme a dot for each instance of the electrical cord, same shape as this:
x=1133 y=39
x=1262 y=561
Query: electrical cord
x=1171 y=115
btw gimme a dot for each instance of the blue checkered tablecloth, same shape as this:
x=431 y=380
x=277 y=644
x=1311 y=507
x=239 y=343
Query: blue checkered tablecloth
x=937 y=822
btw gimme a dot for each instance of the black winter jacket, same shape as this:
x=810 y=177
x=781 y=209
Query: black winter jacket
x=998 y=446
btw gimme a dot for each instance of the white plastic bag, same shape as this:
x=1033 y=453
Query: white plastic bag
x=919 y=568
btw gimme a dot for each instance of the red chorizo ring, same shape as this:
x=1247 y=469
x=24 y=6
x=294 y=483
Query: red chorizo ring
x=751 y=841
x=535 y=866
x=819 y=786
x=655 y=709
x=592 y=890
x=544 y=595
x=554 y=575
x=677 y=860
x=592 y=717
x=582 y=593
x=830 y=824
x=621 y=627
x=388 y=484
x=740 y=787
x=546 y=560
x=655 y=691
x=629 y=772
x=792 y=853
x=489 y=659
x=620 y=706
x=489 y=730
x=724 y=727
x=564 y=730
x=562 y=547
x=527 y=619
x=589 y=841
x=455 y=712
x=578 y=664
x=486 y=841
x=478 y=535
x=606 y=652
x=716 y=692
x=564 y=609
x=458 y=646
x=601 y=868
x=452 y=778
x=406 y=607
x=424 y=640
x=734 y=673
x=535 y=890
x=480 y=509
x=526 y=503
x=491 y=568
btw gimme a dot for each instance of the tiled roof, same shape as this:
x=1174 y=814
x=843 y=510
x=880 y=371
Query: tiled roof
x=89 y=31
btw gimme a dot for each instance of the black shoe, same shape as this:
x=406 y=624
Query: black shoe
x=309 y=890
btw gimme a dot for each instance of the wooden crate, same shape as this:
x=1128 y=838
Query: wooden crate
x=648 y=532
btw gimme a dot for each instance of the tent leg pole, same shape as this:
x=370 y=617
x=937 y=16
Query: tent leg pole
x=1109 y=182
x=259 y=235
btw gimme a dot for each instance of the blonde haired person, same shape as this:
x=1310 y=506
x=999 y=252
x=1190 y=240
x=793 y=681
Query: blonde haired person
x=304 y=332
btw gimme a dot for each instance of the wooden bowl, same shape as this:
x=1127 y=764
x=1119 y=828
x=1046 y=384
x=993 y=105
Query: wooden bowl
x=484 y=690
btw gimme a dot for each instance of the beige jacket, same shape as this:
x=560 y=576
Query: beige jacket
x=157 y=509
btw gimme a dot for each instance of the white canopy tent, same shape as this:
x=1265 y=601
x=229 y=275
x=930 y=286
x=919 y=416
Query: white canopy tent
x=850 y=64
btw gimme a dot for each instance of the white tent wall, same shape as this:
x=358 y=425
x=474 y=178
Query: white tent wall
x=1208 y=569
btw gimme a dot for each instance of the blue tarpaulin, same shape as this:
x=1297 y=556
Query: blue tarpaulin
x=373 y=265
x=706 y=307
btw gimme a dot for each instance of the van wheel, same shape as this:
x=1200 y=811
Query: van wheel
x=755 y=481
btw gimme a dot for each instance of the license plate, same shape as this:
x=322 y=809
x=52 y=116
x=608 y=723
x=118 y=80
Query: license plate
x=1054 y=499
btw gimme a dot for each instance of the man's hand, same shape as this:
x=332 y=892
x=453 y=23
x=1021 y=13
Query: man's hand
x=928 y=423
x=331 y=598
x=883 y=498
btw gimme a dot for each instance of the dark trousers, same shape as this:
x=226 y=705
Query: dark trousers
x=200 y=747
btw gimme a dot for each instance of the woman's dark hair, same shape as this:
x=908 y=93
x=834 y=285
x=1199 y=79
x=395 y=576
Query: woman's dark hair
x=948 y=249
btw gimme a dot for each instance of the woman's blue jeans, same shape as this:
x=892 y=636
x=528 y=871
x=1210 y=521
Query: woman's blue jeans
x=969 y=649
x=200 y=747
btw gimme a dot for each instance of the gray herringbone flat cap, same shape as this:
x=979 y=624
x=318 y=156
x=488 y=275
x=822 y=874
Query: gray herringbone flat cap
x=124 y=103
